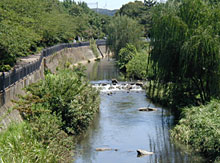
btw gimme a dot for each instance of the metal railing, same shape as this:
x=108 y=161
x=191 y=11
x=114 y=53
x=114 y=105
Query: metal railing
x=9 y=78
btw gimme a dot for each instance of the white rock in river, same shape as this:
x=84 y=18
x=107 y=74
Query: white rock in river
x=141 y=152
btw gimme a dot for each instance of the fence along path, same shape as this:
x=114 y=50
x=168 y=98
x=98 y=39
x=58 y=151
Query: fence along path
x=8 y=79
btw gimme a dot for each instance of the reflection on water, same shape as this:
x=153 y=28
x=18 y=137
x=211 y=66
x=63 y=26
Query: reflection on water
x=120 y=125
x=105 y=69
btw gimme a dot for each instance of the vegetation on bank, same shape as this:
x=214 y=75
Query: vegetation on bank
x=93 y=46
x=19 y=144
x=200 y=127
x=54 y=110
x=28 y=26
x=124 y=39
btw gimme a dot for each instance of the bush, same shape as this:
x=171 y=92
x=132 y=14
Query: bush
x=125 y=55
x=69 y=96
x=138 y=67
x=19 y=144
x=199 y=127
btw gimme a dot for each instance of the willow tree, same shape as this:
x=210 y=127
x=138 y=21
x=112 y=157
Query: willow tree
x=186 y=47
x=121 y=31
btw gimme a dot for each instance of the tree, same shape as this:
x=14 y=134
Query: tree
x=139 y=11
x=121 y=31
x=185 y=48
x=27 y=26
x=125 y=55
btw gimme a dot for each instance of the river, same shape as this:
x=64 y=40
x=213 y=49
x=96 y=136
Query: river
x=124 y=129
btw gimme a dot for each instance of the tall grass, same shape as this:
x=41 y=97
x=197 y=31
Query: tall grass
x=19 y=144
x=200 y=128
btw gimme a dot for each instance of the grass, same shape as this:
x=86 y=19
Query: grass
x=19 y=144
x=200 y=128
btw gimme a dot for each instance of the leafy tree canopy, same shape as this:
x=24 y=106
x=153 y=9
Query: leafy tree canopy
x=26 y=26
x=185 y=41
x=140 y=11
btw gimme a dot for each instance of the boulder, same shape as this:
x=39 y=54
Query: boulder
x=147 y=109
x=114 y=81
x=118 y=87
x=128 y=87
x=139 y=84
x=111 y=88
x=141 y=152
x=110 y=93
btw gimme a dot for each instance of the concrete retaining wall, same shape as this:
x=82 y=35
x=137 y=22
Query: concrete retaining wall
x=71 y=55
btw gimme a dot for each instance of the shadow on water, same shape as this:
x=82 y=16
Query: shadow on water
x=120 y=125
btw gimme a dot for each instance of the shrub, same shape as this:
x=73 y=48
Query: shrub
x=138 y=67
x=70 y=96
x=125 y=55
x=200 y=127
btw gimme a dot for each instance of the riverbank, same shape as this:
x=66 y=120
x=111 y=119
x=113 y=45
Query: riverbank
x=54 y=110
x=197 y=126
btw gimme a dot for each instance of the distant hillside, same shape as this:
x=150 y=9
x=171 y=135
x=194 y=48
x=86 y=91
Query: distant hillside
x=105 y=11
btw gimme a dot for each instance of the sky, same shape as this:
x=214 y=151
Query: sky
x=107 y=4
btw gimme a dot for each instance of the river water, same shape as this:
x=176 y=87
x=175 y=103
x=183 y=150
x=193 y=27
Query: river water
x=124 y=129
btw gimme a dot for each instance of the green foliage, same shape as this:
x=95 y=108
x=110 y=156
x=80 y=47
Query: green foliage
x=46 y=126
x=19 y=144
x=121 y=31
x=28 y=25
x=139 y=67
x=93 y=46
x=5 y=68
x=125 y=55
x=200 y=128
x=185 y=50
x=70 y=97
x=140 y=11
x=53 y=109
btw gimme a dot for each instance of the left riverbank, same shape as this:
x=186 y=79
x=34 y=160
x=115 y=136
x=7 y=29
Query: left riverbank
x=25 y=73
x=54 y=110
x=48 y=113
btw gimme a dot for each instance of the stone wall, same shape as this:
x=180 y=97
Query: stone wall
x=70 y=55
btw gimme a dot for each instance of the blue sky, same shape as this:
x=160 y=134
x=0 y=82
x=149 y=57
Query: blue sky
x=108 y=4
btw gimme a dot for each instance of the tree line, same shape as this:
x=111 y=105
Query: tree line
x=28 y=26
